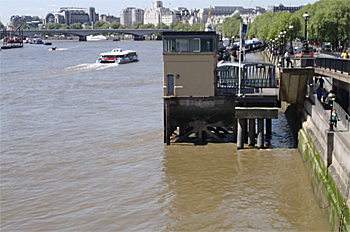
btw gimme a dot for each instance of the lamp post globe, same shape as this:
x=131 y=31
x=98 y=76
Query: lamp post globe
x=331 y=98
x=306 y=17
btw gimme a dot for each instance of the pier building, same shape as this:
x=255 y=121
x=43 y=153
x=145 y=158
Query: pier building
x=206 y=100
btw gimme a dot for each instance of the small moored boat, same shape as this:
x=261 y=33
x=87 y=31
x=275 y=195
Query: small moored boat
x=118 y=56
x=96 y=38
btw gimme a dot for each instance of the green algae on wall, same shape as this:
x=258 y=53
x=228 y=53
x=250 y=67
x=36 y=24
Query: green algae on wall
x=327 y=195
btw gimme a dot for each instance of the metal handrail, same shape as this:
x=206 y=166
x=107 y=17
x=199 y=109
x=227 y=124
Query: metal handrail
x=342 y=115
x=320 y=107
x=336 y=64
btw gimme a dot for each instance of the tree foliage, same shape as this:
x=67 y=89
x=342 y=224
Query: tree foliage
x=76 y=25
x=136 y=25
x=51 y=26
x=329 y=21
x=231 y=25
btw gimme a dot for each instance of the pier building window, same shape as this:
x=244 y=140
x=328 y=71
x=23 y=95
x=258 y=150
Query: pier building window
x=182 y=45
x=188 y=45
x=207 y=45
x=194 y=45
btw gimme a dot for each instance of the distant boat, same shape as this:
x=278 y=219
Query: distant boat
x=139 y=37
x=118 y=56
x=36 y=41
x=95 y=37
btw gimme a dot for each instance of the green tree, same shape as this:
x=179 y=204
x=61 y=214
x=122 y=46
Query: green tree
x=87 y=27
x=196 y=27
x=76 y=25
x=51 y=26
x=174 y=23
x=329 y=21
x=63 y=26
x=147 y=26
x=136 y=25
x=231 y=25
x=162 y=26
x=115 y=25
x=180 y=26
x=100 y=24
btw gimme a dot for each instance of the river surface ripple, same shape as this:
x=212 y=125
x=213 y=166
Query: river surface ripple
x=82 y=150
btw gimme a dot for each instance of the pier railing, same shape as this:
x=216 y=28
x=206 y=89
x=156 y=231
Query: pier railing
x=253 y=75
x=334 y=64
x=297 y=62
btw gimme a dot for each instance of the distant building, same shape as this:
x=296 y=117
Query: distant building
x=281 y=7
x=182 y=14
x=109 y=18
x=131 y=15
x=31 y=21
x=70 y=15
x=158 y=14
x=219 y=13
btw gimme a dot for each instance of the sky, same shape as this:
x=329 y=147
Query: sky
x=113 y=7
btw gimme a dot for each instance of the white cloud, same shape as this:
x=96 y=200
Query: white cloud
x=42 y=9
x=53 y=5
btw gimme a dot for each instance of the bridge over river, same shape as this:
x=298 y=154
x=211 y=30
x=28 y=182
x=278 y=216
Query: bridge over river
x=83 y=33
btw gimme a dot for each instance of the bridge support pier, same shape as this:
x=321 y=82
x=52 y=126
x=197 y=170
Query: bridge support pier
x=82 y=38
x=251 y=133
x=242 y=128
x=234 y=131
x=260 y=142
x=268 y=130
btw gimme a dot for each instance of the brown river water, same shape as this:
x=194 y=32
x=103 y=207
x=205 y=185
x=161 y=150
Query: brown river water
x=82 y=150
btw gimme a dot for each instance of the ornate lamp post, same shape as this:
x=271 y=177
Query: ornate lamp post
x=282 y=35
x=284 y=41
x=291 y=50
x=331 y=98
x=276 y=45
x=306 y=17
x=281 y=42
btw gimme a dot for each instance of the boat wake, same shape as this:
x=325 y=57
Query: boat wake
x=58 y=49
x=91 y=66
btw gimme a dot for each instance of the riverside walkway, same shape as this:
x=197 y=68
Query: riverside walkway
x=324 y=150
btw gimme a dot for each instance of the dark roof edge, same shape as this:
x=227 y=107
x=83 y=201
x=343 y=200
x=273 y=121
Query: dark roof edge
x=188 y=33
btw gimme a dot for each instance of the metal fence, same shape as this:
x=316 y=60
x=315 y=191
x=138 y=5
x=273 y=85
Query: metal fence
x=334 y=64
x=255 y=75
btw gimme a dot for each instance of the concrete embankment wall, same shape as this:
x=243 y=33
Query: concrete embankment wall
x=326 y=156
x=330 y=184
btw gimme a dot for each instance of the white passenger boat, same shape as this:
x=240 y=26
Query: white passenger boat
x=118 y=56
x=95 y=37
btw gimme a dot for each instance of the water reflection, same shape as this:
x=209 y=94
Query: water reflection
x=214 y=187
